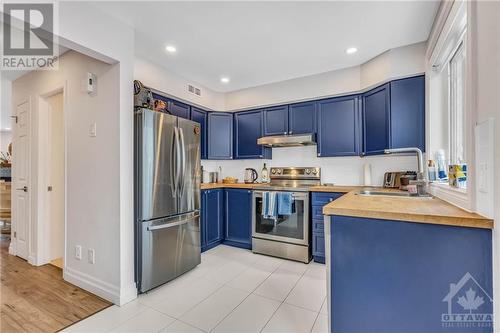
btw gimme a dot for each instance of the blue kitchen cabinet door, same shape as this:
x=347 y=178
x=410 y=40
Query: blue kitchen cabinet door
x=179 y=109
x=200 y=116
x=212 y=218
x=238 y=218
x=276 y=120
x=339 y=127
x=318 y=250
x=408 y=113
x=302 y=118
x=220 y=136
x=248 y=127
x=376 y=120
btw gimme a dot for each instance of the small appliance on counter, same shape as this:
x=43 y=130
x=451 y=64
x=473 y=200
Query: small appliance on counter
x=250 y=176
x=399 y=179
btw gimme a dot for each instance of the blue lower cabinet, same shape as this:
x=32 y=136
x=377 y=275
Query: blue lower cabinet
x=395 y=276
x=319 y=199
x=220 y=136
x=318 y=247
x=238 y=217
x=212 y=218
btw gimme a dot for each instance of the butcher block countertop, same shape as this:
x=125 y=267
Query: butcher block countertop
x=210 y=186
x=420 y=210
x=321 y=188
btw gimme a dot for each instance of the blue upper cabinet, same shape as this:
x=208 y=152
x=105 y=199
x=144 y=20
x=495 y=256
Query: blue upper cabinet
x=200 y=116
x=376 y=120
x=179 y=109
x=302 y=118
x=248 y=127
x=276 y=120
x=238 y=217
x=338 y=127
x=220 y=135
x=408 y=113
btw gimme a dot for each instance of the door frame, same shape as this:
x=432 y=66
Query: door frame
x=42 y=223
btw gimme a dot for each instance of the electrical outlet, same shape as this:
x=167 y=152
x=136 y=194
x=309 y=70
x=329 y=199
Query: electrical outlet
x=78 y=252
x=91 y=254
x=93 y=130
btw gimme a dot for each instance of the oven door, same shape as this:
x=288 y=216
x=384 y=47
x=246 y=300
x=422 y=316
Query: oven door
x=289 y=229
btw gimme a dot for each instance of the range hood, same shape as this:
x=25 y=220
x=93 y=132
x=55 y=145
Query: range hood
x=287 y=140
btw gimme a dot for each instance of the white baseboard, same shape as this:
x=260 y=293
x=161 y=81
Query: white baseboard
x=12 y=250
x=100 y=288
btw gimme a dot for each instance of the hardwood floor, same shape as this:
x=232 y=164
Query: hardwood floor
x=37 y=299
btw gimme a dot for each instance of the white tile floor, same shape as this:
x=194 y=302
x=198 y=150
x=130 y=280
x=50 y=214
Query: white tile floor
x=232 y=290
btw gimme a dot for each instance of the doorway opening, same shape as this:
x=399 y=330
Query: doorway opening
x=55 y=180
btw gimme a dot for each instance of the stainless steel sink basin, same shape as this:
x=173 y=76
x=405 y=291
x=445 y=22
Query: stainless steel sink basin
x=393 y=194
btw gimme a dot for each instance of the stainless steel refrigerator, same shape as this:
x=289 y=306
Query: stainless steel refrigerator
x=167 y=197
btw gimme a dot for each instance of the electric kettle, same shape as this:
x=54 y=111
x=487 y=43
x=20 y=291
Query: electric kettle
x=250 y=175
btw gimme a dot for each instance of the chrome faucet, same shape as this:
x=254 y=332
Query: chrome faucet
x=421 y=182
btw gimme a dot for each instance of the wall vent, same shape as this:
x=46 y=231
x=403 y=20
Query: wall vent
x=194 y=90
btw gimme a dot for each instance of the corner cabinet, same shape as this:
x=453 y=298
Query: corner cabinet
x=248 y=127
x=339 y=127
x=376 y=120
x=220 y=135
x=212 y=218
x=238 y=217
x=408 y=113
x=200 y=116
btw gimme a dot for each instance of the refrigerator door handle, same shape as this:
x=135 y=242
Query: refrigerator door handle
x=173 y=171
x=183 y=162
x=173 y=224
x=178 y=161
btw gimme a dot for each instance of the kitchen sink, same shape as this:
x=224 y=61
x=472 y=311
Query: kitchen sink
x=393 y=194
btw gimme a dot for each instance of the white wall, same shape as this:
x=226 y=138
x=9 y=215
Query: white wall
x=174 y=85
x=5 y=140
x=337 y=170
x=486 y=19
x=396 y=63
x=90 y=31
x=92 y=184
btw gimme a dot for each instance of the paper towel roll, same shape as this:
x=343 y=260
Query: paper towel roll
x=368 y=174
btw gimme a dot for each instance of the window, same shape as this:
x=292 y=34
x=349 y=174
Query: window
x=457 y=106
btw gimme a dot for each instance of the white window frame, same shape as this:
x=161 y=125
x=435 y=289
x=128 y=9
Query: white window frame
x=452 y=31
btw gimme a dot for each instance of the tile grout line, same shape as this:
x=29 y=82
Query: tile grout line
x=250 y=293
x=283 y=302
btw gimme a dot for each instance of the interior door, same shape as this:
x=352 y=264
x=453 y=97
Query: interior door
x=157 y=155
x=21 y=178
x=189 y=184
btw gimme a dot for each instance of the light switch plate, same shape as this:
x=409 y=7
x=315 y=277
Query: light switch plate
x=78 y=252
x=93 y=130
x=91 y=254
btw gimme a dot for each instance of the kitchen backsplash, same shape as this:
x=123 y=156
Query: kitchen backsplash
x=337 y=170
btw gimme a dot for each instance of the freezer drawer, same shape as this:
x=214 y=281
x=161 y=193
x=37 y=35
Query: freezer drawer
x=170 y=247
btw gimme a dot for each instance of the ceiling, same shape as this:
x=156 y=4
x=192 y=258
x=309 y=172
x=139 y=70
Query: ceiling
x=255 y=43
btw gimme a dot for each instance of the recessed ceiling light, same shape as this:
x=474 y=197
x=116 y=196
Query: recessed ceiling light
x=170 y=49
x=224 y=80
x=351 y=50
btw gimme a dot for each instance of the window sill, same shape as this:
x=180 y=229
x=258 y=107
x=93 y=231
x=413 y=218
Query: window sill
x=453 y=195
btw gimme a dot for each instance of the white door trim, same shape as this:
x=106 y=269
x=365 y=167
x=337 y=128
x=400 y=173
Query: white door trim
x=42 y=225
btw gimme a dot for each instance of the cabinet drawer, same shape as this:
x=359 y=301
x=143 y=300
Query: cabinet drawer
x=318 y=226
x=318 y=245
x=317 y=212
x=322 y=198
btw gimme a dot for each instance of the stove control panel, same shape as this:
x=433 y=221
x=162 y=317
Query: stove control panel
x=295 y=173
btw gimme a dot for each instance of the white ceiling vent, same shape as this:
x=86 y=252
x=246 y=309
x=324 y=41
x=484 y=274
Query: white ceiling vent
x=194 y=90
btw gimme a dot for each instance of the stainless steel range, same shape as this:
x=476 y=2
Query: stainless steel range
x=285 y=236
